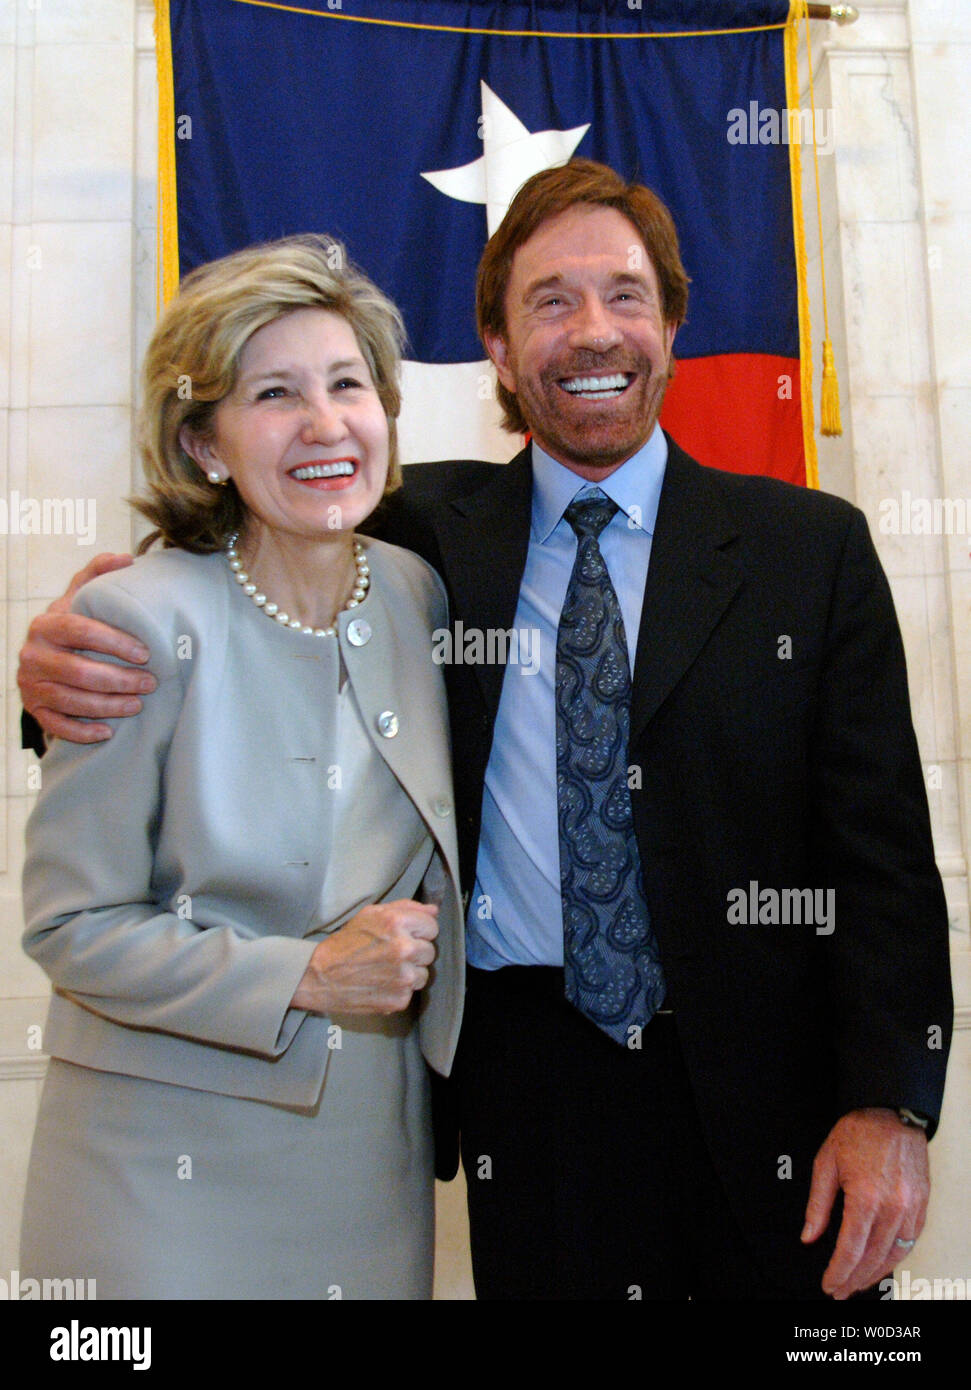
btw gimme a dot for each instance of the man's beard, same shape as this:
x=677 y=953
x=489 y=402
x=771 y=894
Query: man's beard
x=594 y=435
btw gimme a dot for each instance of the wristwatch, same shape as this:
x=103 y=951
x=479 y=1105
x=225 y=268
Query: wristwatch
x=910 y=1117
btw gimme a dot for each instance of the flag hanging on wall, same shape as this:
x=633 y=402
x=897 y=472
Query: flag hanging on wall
x=404 y=129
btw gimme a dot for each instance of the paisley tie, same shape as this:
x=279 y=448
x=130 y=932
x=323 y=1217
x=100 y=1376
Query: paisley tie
x=611 y=959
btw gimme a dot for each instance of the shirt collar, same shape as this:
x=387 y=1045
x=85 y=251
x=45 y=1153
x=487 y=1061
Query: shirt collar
x=635 y=486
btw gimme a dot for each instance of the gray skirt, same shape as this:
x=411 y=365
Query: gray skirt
x=159 y=1191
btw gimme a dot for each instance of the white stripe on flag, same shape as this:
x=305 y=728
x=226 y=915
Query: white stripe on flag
x=449 y=411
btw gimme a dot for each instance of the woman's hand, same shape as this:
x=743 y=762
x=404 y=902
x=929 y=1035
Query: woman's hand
x=374 y=963
x=63 y=690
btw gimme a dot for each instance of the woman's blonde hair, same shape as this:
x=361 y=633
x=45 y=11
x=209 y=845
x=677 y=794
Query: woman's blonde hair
x=192 y=363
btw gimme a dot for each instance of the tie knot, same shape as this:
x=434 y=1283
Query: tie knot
x=589 y=514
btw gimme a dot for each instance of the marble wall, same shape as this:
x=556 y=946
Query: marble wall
x=77 y=296
x=76 y=218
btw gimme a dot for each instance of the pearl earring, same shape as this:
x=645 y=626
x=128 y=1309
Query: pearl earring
x=214 y=477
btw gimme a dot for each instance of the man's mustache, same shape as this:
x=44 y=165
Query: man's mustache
x=602 y=364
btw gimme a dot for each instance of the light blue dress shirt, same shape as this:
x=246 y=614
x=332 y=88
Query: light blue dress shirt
x=515 y=915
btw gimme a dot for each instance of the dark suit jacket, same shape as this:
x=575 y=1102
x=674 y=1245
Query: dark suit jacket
x=790 y=764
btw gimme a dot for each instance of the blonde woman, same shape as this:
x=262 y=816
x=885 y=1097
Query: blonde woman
x=247 y=899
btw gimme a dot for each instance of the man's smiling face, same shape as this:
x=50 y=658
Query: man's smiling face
x=586 y=348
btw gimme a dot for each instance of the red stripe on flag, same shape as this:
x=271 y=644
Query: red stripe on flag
x=716 y=408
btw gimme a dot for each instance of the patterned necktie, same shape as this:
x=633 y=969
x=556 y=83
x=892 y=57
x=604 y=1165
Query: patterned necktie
x=611 y=958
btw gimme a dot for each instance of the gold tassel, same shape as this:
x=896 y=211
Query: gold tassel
x=167 y=280
x=829 y=406
x=791 y=41
x=829 y=403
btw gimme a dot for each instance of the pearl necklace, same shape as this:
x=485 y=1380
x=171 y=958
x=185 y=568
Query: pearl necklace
x=272 y=610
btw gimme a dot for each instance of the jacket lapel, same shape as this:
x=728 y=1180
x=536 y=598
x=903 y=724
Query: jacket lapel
x=483 y=539
x=690 y=583
x=393 y=675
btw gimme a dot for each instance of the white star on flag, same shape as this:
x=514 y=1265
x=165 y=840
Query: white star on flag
x=449 y=408
x=510 y=156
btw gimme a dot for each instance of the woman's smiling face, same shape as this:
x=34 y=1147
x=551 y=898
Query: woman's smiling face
x=303 y=433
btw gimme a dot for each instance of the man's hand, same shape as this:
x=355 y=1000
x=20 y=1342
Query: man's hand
x=373 y=963
x=57 y=685
x=881 y=1165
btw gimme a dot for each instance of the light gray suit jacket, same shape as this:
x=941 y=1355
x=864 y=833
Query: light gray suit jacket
x=173 y=878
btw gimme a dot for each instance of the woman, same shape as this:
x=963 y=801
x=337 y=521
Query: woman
x=247 y=899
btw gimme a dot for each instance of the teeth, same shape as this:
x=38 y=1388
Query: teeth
x=597 y=385
x=343 y=469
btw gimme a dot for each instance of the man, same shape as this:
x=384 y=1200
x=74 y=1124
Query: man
x=709 y=1011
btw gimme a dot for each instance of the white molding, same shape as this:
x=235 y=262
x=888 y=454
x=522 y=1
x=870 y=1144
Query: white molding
x=883 y=28
x=27 y=1066
x=145 y=27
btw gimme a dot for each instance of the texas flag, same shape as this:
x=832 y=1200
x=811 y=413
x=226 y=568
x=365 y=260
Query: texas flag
x=405 y=128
